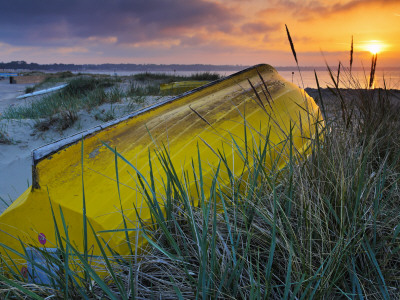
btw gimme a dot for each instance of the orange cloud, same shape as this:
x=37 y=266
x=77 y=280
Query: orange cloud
x=69 y=50
x=103 y=40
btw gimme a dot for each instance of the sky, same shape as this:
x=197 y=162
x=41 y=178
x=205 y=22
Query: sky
x=234 y=32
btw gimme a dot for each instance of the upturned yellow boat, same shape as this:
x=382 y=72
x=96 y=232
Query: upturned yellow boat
x=203 y=123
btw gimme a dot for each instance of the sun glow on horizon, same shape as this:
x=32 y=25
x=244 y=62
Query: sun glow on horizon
x=374 y=46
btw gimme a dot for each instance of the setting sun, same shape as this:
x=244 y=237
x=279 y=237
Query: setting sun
x=374 y=47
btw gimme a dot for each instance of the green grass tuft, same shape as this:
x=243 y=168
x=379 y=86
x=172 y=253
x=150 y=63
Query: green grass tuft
x=62 y=107
x=168 y=78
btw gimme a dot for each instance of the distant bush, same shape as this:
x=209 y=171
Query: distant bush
x=66 y=74
x=86 y=84
x=167 y=78
x=143 y=90
x=205 y=76
x=29 y=89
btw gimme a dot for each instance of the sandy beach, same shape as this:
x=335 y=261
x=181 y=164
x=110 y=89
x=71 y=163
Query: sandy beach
x=15 y=162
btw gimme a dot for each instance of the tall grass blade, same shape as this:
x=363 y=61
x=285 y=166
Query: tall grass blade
x=269 y=97
x=294 y=54
x=260 y=103
x=120 y=203
x=85 y=243
x=375 y=264
x=354 y=280
x=373 y=69
x=320 y=96
x=200 y=116
x=268 y=269
x=92 y=273
x=351 y=54
x=110 y=268
x=291 y=44
x=66 y=257
x=288 y=282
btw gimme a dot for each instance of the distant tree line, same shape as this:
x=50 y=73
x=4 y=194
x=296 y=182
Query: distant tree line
x=23 y=65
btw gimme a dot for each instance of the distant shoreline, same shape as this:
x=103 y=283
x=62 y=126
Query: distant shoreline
x=24 y=66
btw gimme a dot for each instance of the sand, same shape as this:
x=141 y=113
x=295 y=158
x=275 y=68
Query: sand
x=15 y=158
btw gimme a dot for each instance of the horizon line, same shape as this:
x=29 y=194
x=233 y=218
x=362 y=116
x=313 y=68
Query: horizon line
x=231 y=66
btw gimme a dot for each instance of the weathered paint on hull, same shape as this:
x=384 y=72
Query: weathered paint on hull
x=177 y=125
x=180 y=86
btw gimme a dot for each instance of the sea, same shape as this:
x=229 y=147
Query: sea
x=304 y=79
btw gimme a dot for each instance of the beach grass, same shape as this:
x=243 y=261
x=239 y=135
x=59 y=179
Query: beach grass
x=61 y=108
x=4 y=137
x=148 y=84
x=90 y=91
x=168 y=78
x=50 y=80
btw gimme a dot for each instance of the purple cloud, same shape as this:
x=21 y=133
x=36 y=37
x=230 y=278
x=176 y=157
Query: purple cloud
x=51 y=21
x=259 y=27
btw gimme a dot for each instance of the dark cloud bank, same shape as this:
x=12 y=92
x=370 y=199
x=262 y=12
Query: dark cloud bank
x=52 y=22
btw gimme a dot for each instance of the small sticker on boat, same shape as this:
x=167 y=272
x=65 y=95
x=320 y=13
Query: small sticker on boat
x=42 y=238
x=24 y=272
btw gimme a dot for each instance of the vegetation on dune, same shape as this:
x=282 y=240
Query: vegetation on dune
x=143 y=84
x=326 y=226
x=50 y=80
x=4 y=138
x=88 y=92
x=61 y=108
x=168 y=78
x=149 y=88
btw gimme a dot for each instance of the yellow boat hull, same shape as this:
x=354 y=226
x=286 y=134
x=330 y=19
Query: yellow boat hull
x=206 y=121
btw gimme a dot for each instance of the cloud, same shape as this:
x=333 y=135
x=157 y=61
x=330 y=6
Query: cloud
x=186 y=30
x=70 y=50
x=103 y=40
x=308 y=10
x=7 y=49
x=259 y=27
x=195 y=40
x=59 y=22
